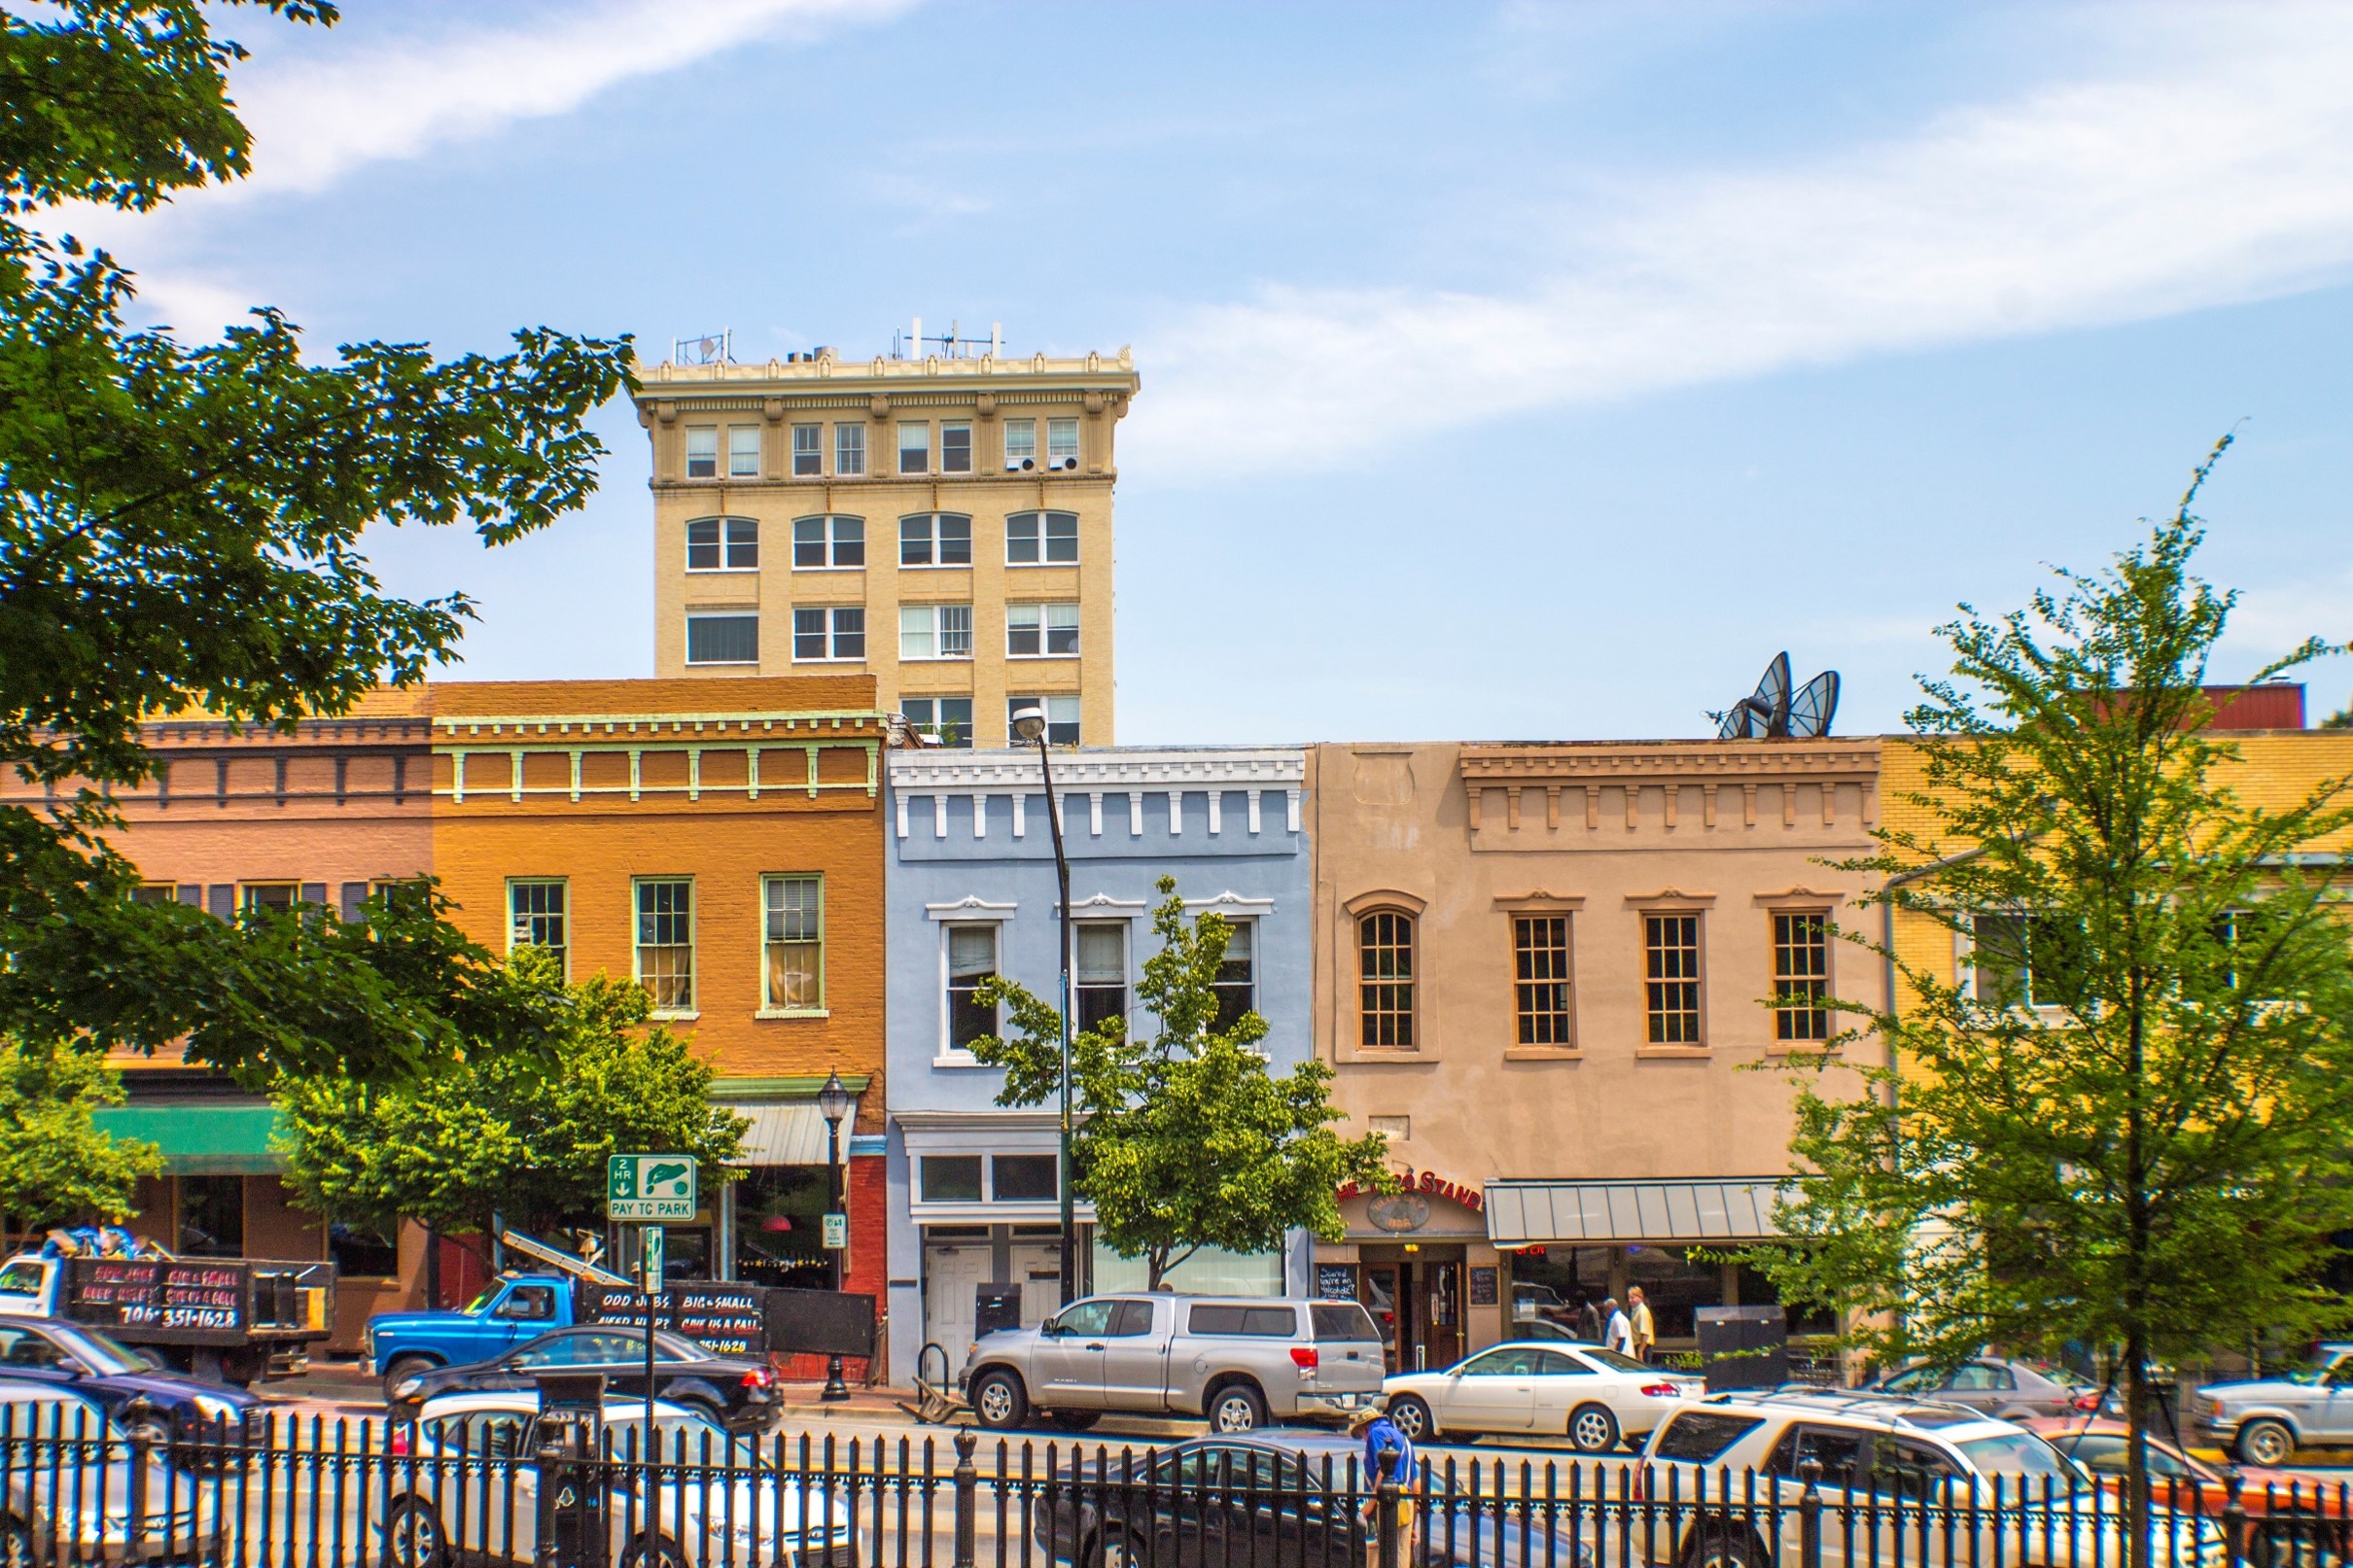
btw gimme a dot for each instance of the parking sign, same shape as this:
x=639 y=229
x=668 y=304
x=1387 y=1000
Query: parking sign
x=651 y=1187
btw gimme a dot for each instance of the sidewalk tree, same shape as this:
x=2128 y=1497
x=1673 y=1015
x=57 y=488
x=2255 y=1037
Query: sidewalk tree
x=1187 y=1139
x=179 y=528
x=2123 y=1125
x=56 y=1165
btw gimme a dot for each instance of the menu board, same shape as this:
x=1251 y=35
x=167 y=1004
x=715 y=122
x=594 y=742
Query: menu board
x=1336 y=1281
x=1483 y=1286
x=731 y=1319
x=183 y=1293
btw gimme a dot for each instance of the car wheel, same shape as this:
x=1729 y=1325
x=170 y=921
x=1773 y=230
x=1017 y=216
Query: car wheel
x=999 y=1400
x=2265 y=1443
x=663 y=1555
x=144 y=1423
x=1414 y=1417
x=1723 y=1545
x=1074 y=1420
x=405 y=1367
x=1593 y=1429
x=1115 y=1550
x=412 y=1535
x=1237 y=1407
x=15 y=1543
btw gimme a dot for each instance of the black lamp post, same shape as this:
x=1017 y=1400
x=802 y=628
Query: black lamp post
x=1030 y=725
x=834 y=1103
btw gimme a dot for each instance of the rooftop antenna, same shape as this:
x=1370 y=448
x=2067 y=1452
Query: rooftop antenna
x=711 y=348
x=1774 y=712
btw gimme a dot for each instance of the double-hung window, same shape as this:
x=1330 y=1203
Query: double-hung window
x=1061 y=718
x=665 y=943
x=849 y=451
x=743 y=451
x=702 y=451
x=828 y=543
x=935 y=538
x=1041 y=631
x=943 y=720
x=1540 y=994
x=935 y=631
x=536 y=908
x=915 y=448
x=1103 y=971
x=828 y=632
x=723 y=544
x=1021 y=444
x=1801 y=976
x=733 y=639
x=971 y=960
x=1671 y=984
x=808 y=450
x=955 y=449
x=1237 y=984
x=1042 y=538
x=1062 y=443
x=795 y=945
x=1384 y=979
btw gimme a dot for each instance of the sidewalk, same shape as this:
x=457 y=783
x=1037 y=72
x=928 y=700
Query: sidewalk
x=350 y=1384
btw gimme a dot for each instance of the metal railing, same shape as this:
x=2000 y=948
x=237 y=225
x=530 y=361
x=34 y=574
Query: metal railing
x=310 y=1494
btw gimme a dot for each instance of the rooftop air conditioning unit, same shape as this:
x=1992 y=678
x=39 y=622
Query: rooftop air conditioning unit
x=1021 y=463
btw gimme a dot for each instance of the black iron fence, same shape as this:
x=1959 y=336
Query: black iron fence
x=497 y=1485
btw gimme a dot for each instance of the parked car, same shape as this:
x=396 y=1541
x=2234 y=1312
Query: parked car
x=1239 y=1361
x=2291 y=1518
x=1876 y=1453
x=724 y=1512
x=1597 y=1397
x=735 y=1392
x=233 y=1320
x=2264 y=1420
x=1258 y=1498
x=2011 y=1390
x=136 y=1394
x=80 y=1511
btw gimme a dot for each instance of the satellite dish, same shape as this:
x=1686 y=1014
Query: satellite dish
x=1772 y=712
x=1816 y=703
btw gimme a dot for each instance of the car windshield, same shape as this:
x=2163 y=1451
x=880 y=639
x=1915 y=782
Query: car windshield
x=2311 y=1371
x=1613 y=1360
x=22 y=1277
x=480 y=1303
x=2019 y=1453
x=2065 y=1377
x=101 y=1354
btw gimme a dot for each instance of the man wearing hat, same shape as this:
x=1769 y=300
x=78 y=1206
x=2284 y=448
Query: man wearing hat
x=1389 y=1455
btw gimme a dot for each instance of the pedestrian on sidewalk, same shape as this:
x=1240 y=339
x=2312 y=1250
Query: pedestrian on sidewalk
x=1619 y=1335
x=1645 y=1330
x=1389 y=1455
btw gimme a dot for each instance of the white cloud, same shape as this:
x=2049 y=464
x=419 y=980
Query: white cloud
x=2218 y=170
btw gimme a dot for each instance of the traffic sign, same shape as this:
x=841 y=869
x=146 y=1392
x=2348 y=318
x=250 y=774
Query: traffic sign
x=837 y=1233
x=650 y=1276
x=650 y=1187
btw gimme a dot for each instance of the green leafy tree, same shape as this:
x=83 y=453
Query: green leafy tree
x=179 y=528
x=2124 y=1124
x=504 y=1132
x=1187 y=1139
x=56 y=1164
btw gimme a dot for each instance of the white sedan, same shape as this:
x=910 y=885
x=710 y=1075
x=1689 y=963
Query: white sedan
x=1597 y=1397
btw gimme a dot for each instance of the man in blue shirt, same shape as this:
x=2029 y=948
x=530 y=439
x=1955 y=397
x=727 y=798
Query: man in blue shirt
x=1389 y=1457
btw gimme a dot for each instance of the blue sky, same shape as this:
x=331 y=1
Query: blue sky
x=1509 y=371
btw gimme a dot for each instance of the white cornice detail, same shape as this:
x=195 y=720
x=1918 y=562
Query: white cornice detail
x=959 y=772
x=1230 y=902
x=969 y=906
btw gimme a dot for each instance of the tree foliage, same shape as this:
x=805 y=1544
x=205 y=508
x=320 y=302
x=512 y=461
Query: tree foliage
x=179 y=528
x=2123 y=1124
x=503 y=1133
x=1187 y=1139
x=56 y=1164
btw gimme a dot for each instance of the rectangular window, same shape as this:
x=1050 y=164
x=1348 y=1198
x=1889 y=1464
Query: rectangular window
x=212 y=1216
x=849 y=451
x=1042 y=538
x=743 y=544
x=536 y=918
x=1801 y=977
x=795 y=942
x=1671 y=990
x=943 y=720
x=702 y=451
x=1021 y=444
x=1062 y=717
x=1103 y=972
x=955 y=449
x=1237 y=974
x=828 y=543
x=155 y=892
x=665 y=944
x=1541 y=978
x=723 y=544
x=935 y=631
x=915 y=449
x=1023 y=1178
x=743 y=451
x=723 y=640
x=951 y=1178
x=278 y=898
x=2023 y=961
x=1062 y=443
x=1041 y=631
x=808 y=450
x=971 y=960
x=824 y=632
x=935 y=538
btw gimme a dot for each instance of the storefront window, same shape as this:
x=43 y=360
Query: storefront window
x=1556 y=1283
x=1211 y=1271
x=1024 y=1179
x=951 y=1178
x=360 y=1255
x=212 y=1217
x=780 y=1226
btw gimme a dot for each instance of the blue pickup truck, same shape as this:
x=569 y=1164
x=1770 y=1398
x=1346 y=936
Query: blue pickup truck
x=514 y=1308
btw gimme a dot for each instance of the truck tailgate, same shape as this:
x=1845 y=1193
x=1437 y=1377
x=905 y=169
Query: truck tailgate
x=1348 y=1367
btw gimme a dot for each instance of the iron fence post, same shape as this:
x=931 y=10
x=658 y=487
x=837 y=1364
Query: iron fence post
x=1810 y=1515
x=2234 y=1517
x=967 y=1498
x=1384 y=1521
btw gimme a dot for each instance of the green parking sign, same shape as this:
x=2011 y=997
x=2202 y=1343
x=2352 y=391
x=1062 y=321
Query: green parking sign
x=650 y=1187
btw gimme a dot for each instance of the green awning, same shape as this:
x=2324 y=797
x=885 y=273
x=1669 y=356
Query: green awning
x=200 y=1140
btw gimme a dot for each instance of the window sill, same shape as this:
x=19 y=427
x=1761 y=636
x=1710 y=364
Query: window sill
x=852 y=659
x=1688 y=1053
x=1029 y=566
x=660 y=1017
x=793 y=1012
x=723 y=572
x=722 y=664
x=1800 y=1048
x=1041 y=658
x=1542 y=1053
x=934 y=566
x=799 y=568
x=957 y=1059
x=936 y=658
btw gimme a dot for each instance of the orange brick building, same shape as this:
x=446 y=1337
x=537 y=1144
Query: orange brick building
x=726 y=854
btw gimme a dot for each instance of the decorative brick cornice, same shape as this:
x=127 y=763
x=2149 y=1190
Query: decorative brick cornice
x=957 y=772
x=1617 y=762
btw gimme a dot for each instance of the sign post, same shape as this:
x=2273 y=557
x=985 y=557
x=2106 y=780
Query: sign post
x=648 y=1189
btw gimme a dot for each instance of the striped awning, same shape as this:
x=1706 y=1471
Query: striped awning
x=1532 y=1212
x=788 y=1132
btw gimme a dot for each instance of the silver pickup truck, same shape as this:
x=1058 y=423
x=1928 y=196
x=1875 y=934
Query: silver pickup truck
x=1239 y=1360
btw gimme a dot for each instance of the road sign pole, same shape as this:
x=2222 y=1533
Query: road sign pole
x=650 y=1278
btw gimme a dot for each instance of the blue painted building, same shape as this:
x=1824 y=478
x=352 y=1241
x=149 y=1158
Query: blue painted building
x=970 y=891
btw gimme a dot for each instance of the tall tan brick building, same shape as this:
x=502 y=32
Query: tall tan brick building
x=942 y=523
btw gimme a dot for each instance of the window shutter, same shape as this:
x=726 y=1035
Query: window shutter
x=193 y=894
x=355 y=893
x=221 y=900
x=314 y=892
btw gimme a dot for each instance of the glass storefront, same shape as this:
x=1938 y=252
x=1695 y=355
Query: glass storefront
x=780 y=1226
x=1556 y=1282
x=1211 y=1271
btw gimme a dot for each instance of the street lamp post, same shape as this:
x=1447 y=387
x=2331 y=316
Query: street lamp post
x=1030 y=725
x=835 y=1103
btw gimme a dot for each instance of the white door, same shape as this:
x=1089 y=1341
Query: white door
x=1037 y=1268
x=953 y=1270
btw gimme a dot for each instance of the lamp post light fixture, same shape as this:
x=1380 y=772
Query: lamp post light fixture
x=1030 y=725
x=834 y=1103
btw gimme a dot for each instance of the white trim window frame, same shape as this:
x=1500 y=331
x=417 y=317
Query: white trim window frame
x=956 y=447
x=743 y=451
x=969 y=951
x=934 y=632
x=723 y=544
x=914 y=446
x=1062 y=716
x=662 y=909
x=792 y=945
x=729 y=638
x=1062 y=443
x=808 y=451
x=850 y=450
x=946 y=720
x=1047 y=538
x=539 y=915
x=1021 y=445
x=702 y=451
x=932 y=540
x=1041 y=631
x=1237 y=984
x=828 y=634
x=830 y=542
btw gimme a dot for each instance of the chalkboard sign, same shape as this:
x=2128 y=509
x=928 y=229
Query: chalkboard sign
x=1483 y=1286
x=731 y=1319
x=1336 y=1281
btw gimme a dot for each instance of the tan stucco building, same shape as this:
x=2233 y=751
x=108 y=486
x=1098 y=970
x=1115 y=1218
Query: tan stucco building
x=1541 y=970
x=943 y=524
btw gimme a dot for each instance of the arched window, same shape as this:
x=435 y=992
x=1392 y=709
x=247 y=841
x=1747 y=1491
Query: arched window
x=1042 y=538
x=1385 y=989
x=723 y=544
